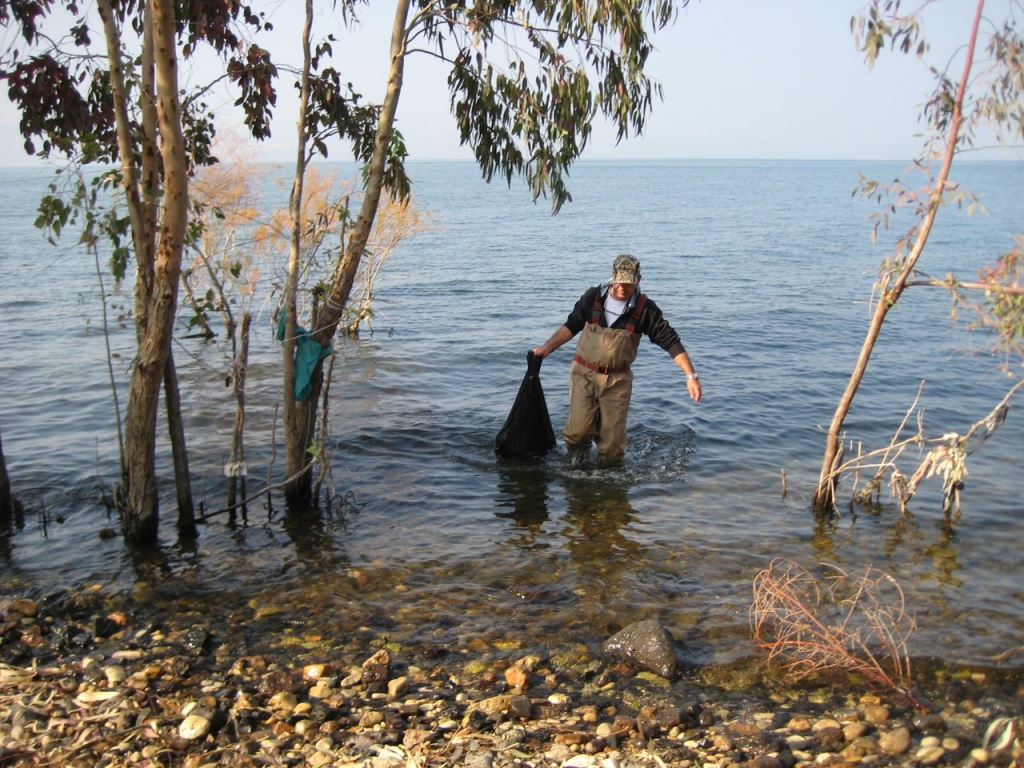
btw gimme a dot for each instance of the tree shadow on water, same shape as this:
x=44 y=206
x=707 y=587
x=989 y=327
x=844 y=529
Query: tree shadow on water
x=313 y=540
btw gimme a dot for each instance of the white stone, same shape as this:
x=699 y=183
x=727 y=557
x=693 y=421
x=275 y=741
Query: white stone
x=91 y=696
x=306 y=726
x=129 y=655
x=194 y=727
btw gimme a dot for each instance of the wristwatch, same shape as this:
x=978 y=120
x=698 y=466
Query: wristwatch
x=692 y=376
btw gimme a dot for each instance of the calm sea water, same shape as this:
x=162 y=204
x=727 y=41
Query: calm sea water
x=765 y=268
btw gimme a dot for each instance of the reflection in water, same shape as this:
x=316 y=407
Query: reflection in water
x=821 y=539
x=523 y=498
x=152 y=567
x=598 y=513
x=904 y=528
x=5 y=548
x=576 y=571
x=9 y=523
x=944 y=558
x=929 y=571
x=314 y=542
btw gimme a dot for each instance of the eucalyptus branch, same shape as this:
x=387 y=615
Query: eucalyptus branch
x=91 y=244
x=1010 y=290
x=905 y=35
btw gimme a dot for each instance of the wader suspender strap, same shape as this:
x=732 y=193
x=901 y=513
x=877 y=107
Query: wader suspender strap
x=595 y=313
x=634 y=317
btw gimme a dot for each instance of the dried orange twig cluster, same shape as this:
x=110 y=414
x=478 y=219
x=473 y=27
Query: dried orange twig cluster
x=855 y=623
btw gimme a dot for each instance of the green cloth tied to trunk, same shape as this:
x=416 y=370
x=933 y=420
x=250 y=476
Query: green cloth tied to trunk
x=308 y=353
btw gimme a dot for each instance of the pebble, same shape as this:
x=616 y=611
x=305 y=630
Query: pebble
x=929 y=755
x=799 y=724
x=853 y=731
x=896 y=741
x=876 y=714
x=282 y=701
x=115 y=675
x=397 y=687
x=315 y=671
x=517 y=677
x=194 y=727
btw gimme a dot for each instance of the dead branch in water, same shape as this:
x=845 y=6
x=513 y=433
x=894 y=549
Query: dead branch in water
x=946 y=457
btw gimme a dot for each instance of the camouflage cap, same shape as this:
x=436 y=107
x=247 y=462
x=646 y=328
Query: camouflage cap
x=626 y=269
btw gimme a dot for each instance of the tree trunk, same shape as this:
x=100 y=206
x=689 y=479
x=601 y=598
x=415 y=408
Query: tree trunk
x=179 y=451
x=345 y=272
x=236 y=482
x=824 y=496
x=10 y=508
x=139 y=496
x=297 y=431
x=298 y=459
x=141 y=515
x=136 y=195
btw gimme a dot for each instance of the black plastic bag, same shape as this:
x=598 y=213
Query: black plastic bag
x=527 y=430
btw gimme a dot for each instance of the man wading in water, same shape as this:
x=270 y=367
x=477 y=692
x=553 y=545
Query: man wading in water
x=612 y=317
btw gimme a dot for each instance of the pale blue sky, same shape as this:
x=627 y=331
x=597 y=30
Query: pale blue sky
x=741 y=79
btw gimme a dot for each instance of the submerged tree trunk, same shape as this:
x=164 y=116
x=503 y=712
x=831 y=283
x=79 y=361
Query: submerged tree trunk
x=892 y=288
x=179 y=451
x=10 y=507
x=236 y=481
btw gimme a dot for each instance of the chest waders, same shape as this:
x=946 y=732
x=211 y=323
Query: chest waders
x=601 y=384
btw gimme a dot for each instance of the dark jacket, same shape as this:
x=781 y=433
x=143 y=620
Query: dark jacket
x=652 y=322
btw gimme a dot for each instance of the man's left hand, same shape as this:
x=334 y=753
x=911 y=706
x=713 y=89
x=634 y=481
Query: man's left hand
x=693 y=385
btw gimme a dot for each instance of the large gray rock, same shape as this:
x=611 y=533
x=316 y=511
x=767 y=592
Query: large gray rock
x=645 y=644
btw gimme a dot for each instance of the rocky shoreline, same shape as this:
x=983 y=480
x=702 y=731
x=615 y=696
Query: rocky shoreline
x=87 y=685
